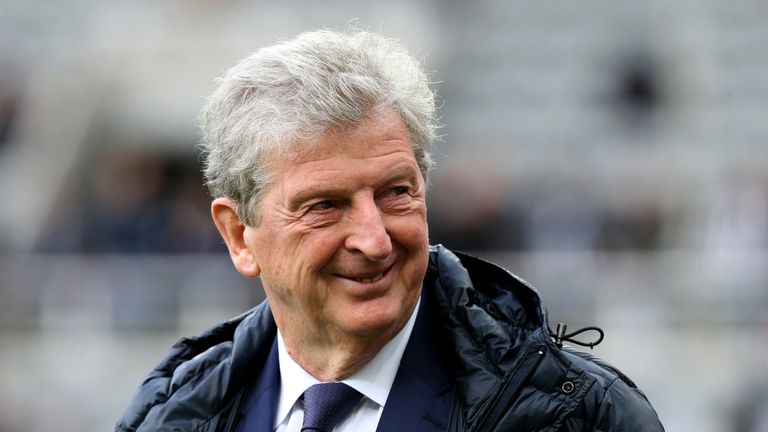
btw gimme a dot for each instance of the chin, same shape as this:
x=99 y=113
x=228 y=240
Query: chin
x=375 y=321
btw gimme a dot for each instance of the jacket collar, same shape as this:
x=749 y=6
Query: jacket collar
x=202 y=376
x=505 y=359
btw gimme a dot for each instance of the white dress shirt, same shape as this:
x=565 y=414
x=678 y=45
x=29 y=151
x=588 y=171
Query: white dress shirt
x=374 y=381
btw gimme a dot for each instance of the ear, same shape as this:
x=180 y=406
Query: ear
x=232 y=230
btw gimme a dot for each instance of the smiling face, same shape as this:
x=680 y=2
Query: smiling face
x=342 y=244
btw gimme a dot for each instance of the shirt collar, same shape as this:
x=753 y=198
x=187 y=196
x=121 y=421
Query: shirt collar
x=374 y=380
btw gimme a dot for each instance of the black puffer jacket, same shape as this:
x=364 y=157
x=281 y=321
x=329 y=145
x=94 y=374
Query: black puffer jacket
x=510 y=375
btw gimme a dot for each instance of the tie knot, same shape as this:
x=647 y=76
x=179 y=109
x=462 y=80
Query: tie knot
x=326 y=404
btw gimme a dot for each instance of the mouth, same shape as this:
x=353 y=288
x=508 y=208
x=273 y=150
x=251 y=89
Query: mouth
x=367 y=278
x=372 y=279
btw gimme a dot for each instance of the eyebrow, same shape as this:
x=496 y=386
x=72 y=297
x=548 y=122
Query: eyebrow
x=310 y=193
x=402 y=172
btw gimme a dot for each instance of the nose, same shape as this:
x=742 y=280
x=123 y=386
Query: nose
x=367 y=232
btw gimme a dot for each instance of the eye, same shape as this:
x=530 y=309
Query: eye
x=398 y=190
x=322 y=205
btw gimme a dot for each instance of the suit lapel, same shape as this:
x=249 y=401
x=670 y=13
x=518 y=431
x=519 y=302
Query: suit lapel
x=422 y=393
x=260 y=408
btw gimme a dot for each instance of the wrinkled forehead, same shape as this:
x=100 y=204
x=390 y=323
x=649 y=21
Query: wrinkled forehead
x=377 y=126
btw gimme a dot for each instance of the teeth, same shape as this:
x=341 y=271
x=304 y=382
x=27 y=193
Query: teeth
x=371 y=279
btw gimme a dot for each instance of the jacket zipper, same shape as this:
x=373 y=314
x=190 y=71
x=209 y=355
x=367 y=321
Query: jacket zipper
x=234 y=414
x=508 y=391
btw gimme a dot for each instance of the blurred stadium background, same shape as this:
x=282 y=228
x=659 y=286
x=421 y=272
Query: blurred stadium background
x=613 y=153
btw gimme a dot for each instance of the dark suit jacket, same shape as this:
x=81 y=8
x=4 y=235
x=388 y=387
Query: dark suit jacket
x=420 y=398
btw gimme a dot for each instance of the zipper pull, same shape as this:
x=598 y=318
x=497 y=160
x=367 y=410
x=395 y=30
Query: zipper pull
x=560 y=336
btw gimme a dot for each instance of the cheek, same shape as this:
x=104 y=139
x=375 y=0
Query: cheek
x=412 y=231
x=413 y=237
x=318 y=247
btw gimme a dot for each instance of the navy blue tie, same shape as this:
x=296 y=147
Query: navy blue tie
x=326 y=404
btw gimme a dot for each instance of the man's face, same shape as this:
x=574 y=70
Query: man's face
x=342 y=241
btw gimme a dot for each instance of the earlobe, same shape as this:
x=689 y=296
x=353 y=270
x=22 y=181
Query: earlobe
x=233 y=231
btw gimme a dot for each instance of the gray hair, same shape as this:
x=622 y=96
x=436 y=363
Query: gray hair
x=295 y=91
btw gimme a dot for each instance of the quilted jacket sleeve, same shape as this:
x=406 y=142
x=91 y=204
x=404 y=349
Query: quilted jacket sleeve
x=625 y=408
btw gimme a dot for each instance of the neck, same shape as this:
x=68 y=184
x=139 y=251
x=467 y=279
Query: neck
x=337 y=360
x=330 y=352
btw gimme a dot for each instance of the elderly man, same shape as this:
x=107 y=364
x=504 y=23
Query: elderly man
x=317 y=155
